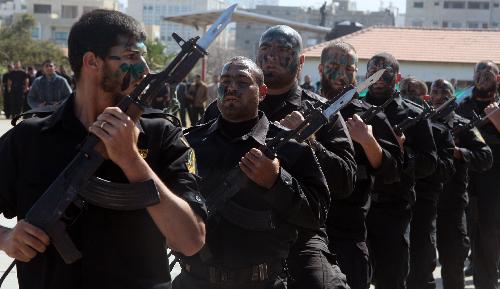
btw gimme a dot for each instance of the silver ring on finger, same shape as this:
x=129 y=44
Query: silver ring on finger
x=103 y=124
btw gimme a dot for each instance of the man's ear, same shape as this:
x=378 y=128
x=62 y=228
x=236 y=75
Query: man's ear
x=262 y=92
x=320 y=68
x=90 y=60
x=301 y=63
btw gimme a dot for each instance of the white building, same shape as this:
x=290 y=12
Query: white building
x=152 y=12
x=454 y=14
x=10 y=7
x=54 y=18
x=426 y=53
x=250 y=4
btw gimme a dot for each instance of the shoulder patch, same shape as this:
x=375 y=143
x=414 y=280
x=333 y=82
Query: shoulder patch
x=191 y=159
x=478 y=135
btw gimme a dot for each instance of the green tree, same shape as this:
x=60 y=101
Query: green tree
x=16 y=44
x=156 y=57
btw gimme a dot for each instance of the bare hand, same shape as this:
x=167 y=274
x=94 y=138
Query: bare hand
x=292 y=120
x=490 y=108
x=401 y=140
x=24 y=241
x=119 y=135
x=259 y=168
x=360 y=132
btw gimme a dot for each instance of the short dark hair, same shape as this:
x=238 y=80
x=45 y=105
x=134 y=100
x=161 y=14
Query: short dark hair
x=257 y=71
x=47 y=61
x=341 y=45
x=97 y=31
x=489 y=63
x=389 y=59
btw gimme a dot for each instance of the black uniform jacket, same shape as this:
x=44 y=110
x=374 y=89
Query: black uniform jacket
x=420 y=154
x=121 y=249
x=333 y=147
x=299 y=197
x=485 y=184
x=477 y=157
x=430 y=187
x=346 y=219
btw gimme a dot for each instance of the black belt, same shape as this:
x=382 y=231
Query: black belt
x=219 y=274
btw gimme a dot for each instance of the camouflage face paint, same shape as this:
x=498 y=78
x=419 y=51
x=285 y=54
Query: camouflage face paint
x=485 y=77
x=340 y=66
x=234 y=84
x=378 y=63
x=279 y=46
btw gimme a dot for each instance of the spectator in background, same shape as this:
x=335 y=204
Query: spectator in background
x=48 y=89
x=197 y=96
x=6 y=97
x=181 y=92
x=307 y=84
x=17 y=86
x=212 y=89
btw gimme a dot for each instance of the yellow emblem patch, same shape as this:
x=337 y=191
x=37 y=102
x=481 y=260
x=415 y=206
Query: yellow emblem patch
x=143 y=153
x=191 y=162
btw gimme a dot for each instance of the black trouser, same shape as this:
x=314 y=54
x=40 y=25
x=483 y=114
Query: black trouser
x=183 y=109
x=453 y=246
x=486 y=255
x=6 y=103
x=187 y=281
x=16 y=103
x=422 y=245
x=388 y=241
x=312 y=268
x=195 y=114
x=352 y=257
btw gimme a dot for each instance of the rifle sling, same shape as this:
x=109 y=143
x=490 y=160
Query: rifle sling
x=120 y=196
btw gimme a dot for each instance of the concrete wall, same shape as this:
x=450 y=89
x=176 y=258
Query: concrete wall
x=426 y=71
x=433 y=14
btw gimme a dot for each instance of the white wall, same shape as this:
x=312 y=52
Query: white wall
x=426 y=71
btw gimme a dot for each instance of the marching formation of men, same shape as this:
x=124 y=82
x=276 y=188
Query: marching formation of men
x=366 y=197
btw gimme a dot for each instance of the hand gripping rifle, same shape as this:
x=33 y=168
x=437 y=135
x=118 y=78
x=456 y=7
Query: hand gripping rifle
x=76 y=184
x=315 y=116
x=428 y=113
x=373 y=110
x=475 y=122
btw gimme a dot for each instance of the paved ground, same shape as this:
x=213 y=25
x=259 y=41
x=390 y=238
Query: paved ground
x=11 y=281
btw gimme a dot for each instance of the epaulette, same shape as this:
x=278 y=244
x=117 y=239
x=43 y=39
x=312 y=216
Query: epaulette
x=35 y=112
x=313 y=96
x=198 y=126
x=158 y=113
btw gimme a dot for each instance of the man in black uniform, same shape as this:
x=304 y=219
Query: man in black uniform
x=484 y=185
x=469 y=153
x=390 y=212
x=120 y=249
x=377 y=155
x=423 y=222
x=280 y=58
x=290 y=188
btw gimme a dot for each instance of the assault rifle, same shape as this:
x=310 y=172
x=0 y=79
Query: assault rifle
x=428 y=113
x=476 y=121
x=315 y=116
x=371 y=112
x=76 y=184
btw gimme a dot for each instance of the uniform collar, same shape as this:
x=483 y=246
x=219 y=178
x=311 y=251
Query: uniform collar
x=258 y=132
x=65 y=117
x=295 y=96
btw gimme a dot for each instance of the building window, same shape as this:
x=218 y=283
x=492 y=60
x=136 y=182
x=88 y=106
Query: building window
x=471 y=24
x=42 y=9
x=69 y=11
x=445 y=24
x=495 y=5
x=435 y=23
x=494 y=24
x=478 y=5
x=249 y=26
x=456 y=24
x=247 y=41
x=417 y=23
x=60 y=36
x=35 y=32
x=87 y=9
x=436 y=3
x=485 y=25
x=454 y=4
x=418 y=4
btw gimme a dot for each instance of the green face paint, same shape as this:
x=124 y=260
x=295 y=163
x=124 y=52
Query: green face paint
x=136 y=70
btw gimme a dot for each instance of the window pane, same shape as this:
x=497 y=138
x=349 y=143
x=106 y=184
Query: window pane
x=42 y=9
